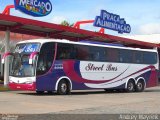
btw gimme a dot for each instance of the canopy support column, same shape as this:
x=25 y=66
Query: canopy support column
x=6 y=63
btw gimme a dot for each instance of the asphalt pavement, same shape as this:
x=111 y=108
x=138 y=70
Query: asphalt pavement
x=95 y=102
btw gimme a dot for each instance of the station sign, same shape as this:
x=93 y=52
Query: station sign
x=112 y=21
x=36 y=8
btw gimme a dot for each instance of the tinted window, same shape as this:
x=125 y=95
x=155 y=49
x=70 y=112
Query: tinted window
x=138 y=57
x=125 y=56
x=97 y=53
x=83 y=52
x=112 y=55
x=149 y=58
x=94 y=53
x=90 y=53
x=45 y=58
x=65 y=51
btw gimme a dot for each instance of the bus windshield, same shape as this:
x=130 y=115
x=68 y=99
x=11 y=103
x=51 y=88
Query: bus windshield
x=20 y=66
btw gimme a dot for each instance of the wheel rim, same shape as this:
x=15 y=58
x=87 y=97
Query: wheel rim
x=64 y=87
x=139 y=86
x=130 y=86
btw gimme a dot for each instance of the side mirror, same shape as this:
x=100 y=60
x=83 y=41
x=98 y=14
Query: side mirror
x=32 y=57
x=30 y=61
x=5 y=55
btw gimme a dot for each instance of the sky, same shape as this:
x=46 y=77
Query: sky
x=142 y=15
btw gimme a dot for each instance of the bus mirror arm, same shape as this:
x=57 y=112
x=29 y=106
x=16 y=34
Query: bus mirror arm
x=32 y=56
x=5 y=55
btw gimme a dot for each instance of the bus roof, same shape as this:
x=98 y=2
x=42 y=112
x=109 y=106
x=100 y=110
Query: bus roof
x=101 y=43
x=42 y=41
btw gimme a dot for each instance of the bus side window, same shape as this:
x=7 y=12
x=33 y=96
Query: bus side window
x=113 y=55
x=63 y=54
x=73 y=52
x=103 y=55
x=149 y=58
x=125 y=56
x=83 y=52
x=65 y=51
x=97 y=53
x=45 y=58
x=138 y=57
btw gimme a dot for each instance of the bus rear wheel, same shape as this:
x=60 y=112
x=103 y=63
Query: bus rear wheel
x=140 y=86
x=63 y=87
x=130 y=86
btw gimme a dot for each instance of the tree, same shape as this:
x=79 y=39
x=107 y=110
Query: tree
x=66 y=23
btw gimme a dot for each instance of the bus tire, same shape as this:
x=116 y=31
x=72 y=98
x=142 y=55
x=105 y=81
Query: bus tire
x=130 y=86
x=63 y=88
x=140 y=86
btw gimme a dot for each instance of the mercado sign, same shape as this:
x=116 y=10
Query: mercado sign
x=36 y=8
x=112 y=21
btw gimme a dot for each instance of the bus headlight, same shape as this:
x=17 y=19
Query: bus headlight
x=28 y=82
x=10 y=81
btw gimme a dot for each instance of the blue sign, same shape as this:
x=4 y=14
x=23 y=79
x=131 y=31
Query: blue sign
x=36 y=8
x=112 y=21
x=27 y=48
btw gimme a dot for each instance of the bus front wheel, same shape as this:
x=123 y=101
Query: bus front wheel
x=63 y=87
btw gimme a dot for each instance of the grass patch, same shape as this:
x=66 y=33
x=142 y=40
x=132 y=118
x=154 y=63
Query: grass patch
x=2 y=87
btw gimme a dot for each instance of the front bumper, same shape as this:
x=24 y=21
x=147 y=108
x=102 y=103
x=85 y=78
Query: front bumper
x=18 y=86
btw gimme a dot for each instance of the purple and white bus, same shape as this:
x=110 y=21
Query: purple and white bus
x=59 y=65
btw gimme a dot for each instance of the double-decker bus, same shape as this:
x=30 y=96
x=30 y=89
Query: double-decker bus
x=59 y=65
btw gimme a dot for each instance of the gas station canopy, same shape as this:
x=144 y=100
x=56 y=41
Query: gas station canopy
x=43 y=29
